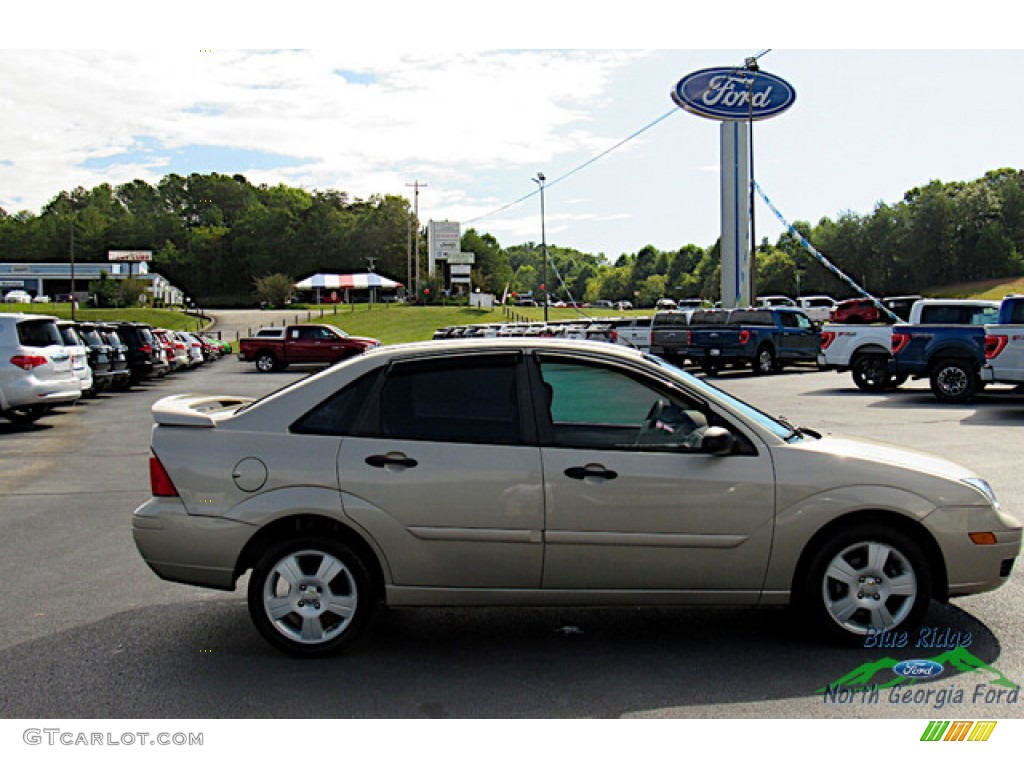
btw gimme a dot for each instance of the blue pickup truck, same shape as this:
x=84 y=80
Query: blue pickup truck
x=764 y=338
x=948 y=347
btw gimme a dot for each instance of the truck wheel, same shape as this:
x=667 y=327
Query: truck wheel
x=764 y=362
x=266 y=363
x=954 y=381
x=870 y=372
x=866 y=579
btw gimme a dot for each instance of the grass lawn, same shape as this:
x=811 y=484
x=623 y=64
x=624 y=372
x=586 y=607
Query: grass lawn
x=397 y=323
x=159 y=318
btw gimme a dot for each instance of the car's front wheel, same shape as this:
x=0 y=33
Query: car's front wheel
x=310 y=597
x=866 y=580
x=266 y=363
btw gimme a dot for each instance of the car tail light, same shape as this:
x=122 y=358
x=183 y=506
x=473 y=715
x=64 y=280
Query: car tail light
x=615 y=337
x=899 y=341
x=827 y=337
x=744 y=336
x=146 y=349
x=28 y=362
x=994 y=345
x=159 y=481
x=689 y=337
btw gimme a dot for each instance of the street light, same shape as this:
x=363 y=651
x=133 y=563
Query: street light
x=544 y=243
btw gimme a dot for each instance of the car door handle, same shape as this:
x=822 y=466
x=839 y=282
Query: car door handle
x=591 y=470
x=391 y=459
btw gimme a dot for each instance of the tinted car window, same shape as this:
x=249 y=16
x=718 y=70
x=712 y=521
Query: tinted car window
x=592 y=406
x=959 y=315
x=753 y=317
x=451 y=401
x=338 y=414
x=39 y=333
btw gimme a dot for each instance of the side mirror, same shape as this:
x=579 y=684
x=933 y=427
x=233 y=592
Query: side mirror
x=717 y=441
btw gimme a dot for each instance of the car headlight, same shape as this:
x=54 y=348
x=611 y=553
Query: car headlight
x=984 y=488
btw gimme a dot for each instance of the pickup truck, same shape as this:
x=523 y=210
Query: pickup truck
x=1004 y=344
x=948 y=348
x=670 y=332
x=273 y=349
x=865 y=350
x=766 y=339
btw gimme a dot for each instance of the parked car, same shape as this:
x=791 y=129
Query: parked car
x=766 y=339
x=100 y=362
x=1004 y=344
x=273 y=349
x=774 y=301
x=119 y=354
x=818 y=308
x=854 y=311
x=17 y=297
x=427 y=475
x=41 y=299
x=35 y=368
x=946 y=345
x=145 y=355
x=79 y=352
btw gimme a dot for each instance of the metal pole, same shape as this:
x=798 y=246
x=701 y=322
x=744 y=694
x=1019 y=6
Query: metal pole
x=544 y=244
x=72 y=266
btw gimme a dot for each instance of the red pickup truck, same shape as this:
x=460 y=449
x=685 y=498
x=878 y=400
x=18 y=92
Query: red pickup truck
x=273 y=349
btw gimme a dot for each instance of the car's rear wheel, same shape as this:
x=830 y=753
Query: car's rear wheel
x=867 y=579
x=870 y=372
x=26 y=415
x=310 y=597
x=764 y=361
x=954 y=381
x=710 y=367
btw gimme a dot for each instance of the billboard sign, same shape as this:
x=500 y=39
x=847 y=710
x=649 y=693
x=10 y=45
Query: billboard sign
x=733 y=93
x=129 y=255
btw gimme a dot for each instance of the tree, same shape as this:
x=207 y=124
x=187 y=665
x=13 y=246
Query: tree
x=274 y=290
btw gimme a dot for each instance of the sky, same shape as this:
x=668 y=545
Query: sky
x=471 y=104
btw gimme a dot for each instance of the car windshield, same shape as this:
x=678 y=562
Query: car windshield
x=782 y=430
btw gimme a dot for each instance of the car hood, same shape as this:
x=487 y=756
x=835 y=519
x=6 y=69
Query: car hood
x=831 y=463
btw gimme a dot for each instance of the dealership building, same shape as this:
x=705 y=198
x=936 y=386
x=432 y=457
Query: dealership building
x=55 y=279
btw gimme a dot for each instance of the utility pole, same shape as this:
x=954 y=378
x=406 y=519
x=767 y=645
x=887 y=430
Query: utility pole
x=414 y=273
x=72 y=255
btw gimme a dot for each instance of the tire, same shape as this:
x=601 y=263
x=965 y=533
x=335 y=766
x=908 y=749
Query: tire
x=710 y=367
x=866 y=579
x=310 y=596
x=26 y=415
x=266 y=363
x=870 y=372
x=896 y=380
x=954 y=381
x=764 y=362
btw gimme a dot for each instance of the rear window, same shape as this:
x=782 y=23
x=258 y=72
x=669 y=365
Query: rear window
x=752 y=317
x=959 y=315
x=39 y=333
x=709 y=317
x=670 y=318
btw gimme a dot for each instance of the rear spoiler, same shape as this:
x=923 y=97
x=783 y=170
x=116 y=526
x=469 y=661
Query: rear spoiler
x=194 y=410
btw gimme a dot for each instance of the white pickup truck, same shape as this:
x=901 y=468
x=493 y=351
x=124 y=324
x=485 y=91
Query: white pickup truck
x=865 y=350
x=1004 y=345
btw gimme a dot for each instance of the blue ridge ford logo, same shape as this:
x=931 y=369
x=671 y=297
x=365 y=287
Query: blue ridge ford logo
x=733 y=93
x=918 y=668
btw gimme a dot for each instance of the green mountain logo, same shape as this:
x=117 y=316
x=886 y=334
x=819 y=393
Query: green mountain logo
x=868 y=674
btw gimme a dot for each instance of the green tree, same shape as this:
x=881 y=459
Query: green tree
x=274 y=290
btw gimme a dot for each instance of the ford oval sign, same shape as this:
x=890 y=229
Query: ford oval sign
x=919 y=668
x=733 y=93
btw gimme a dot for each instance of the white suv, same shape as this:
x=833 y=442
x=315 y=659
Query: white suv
x=35 y=369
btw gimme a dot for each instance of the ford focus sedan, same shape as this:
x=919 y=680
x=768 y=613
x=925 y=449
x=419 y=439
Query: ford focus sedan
x=548 y=472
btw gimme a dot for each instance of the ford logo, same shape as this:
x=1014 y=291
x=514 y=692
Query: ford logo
x=733 y=93
x=919 y=668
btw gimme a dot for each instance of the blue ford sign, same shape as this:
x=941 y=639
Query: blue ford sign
x=733 y=93
x=919 y=668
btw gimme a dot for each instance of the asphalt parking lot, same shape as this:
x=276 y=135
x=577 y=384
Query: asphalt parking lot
x=89 y=631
